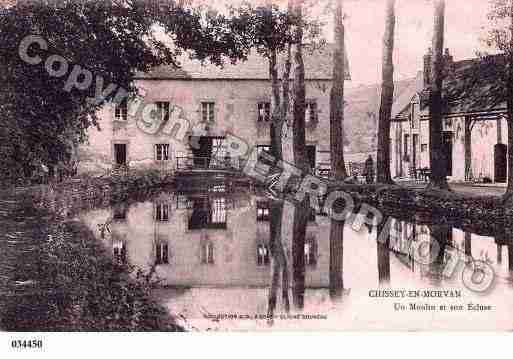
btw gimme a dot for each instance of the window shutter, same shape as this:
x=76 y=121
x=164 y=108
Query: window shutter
x=165 y=254
x=203 y=253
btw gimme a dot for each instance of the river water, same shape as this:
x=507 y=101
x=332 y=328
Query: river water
x=211 y=257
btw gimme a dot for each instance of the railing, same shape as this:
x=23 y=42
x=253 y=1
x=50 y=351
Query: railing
x=206 y=163
x=354 y=169
x=420 y=174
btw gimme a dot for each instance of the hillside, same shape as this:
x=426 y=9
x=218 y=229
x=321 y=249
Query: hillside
x=361 y=115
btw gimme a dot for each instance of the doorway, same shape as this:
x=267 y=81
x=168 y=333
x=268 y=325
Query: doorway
x=500 y=163
x=120 y=151
x=206 y=148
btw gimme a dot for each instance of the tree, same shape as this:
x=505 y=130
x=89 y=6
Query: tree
x=438 y=158
x=387 y=97
x=469 y=125
x=383 y=246
x=338 y=166
x=271 y=35
x=301 y=211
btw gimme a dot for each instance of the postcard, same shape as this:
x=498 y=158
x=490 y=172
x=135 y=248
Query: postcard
x=255 y=166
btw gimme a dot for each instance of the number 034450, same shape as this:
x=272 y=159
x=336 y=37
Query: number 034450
x=27 y=344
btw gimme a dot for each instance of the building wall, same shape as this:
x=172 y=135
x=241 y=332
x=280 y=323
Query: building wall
x=236 y=112
x=484 y=138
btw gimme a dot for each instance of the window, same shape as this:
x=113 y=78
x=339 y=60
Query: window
x=311 y=252
x=219 y=212
x=120 y=153
x=207 y=252
x=120 y=213
x=406 y=146
x=263 y=255
x=162 y=253
x=414 y=117
x=262 y=211
x=208 y=111
x=119 y=251
x=162 y=152
x=311 y=112
x=312 y=215
x=121 y=111
x=264 y=111
x=163 y=110
x=162 y=212
x=219 y=148
x=423 y=147
x=398 y=226
x=267 y=150
x=263 y=148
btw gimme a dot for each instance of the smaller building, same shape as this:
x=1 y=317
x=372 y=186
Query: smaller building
x=474 y=122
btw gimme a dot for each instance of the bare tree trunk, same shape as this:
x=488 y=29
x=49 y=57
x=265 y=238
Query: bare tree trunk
x=384 y=253
x=337 y=259
x=338 y=166
x=441 y=234
x=510 y=257
x=509 y=102
x=387 y=97
x=468 y=244
x=277 y=120
x=300 y=161
x=438 y=158
x=280 y=107
x=509 y=190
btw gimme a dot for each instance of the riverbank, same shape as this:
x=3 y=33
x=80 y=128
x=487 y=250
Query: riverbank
x=482 y=214
x=56 y=276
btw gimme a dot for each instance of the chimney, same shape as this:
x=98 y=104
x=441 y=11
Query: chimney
x=427 y=67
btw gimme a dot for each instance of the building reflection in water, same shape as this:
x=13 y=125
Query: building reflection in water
x=218 y=240
x=205 y=239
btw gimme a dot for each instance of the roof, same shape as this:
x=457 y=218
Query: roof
x=318 y=66
x=471 y=86
x=403 y=99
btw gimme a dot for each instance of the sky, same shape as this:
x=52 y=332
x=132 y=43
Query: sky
x=466 y=25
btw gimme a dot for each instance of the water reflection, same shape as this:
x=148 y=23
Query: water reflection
x=215 y=252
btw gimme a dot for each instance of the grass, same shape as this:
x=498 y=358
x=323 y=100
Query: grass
x=56 y=276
